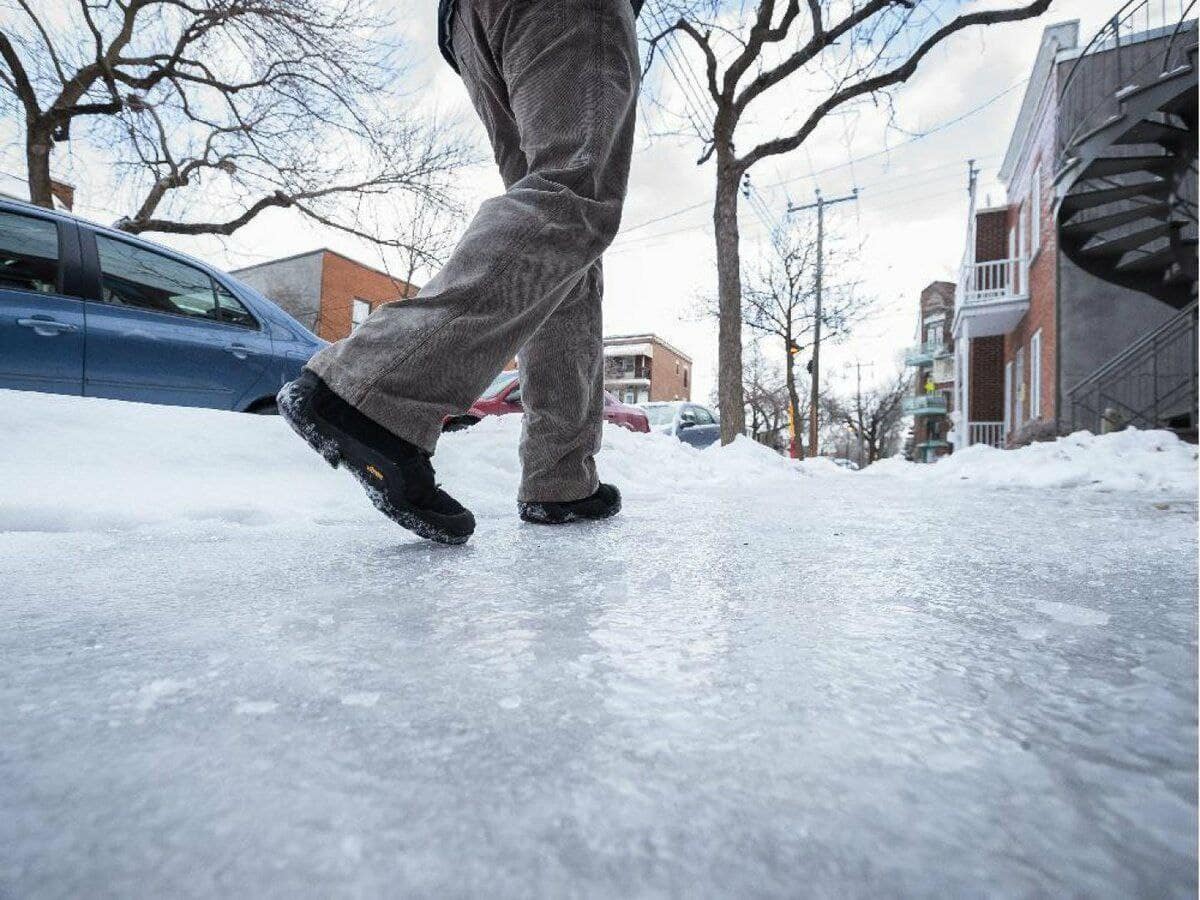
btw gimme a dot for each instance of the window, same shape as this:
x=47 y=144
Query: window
x=685 y=376
x=359 y=313
x=231 y=310
x=143 y=279
x=702 y=415
x=28 y=254
x=1035 y=375
x=1035 y=210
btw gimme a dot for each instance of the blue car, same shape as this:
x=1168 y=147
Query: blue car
x=692 y=423
x=89 y=311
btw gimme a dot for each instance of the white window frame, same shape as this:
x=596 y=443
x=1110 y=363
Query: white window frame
x=1035 y=375
x=1008 y=397
x=358 y=306
x=1022 y=237
x=1035 y=211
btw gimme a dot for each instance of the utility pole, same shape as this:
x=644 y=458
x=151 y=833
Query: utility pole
x=858 y=366
x=819 y=205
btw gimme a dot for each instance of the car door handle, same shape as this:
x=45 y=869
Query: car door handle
x=241 y=351
x=47 y=327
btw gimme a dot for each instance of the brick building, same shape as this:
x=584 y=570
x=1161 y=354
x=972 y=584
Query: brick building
x=933 y=381
x=1037 y=313
x=325 y=291
x=641 y=368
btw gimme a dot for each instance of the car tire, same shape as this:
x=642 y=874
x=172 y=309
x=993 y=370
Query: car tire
x=265 y=409
x=459 y=423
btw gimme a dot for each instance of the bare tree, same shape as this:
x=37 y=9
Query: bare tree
x=779 y=302
x=873 y=416
x=841 y=51
x=428 y=230
x=216 y=110
x=766 y=402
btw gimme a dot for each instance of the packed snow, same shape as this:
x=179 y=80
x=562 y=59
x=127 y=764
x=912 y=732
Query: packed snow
x=223 y=673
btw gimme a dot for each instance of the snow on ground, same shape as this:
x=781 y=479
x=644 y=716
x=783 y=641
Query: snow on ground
x=221 y=672
x=1125 y=461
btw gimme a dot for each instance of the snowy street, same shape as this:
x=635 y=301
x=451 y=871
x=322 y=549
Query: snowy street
x=222 y=673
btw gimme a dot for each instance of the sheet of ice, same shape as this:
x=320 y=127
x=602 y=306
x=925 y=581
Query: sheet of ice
x=221 y=673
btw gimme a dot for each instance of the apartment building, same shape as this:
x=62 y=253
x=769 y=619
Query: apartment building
x=932 y=358
x=327 y=292
x=1075 y=305
x=640 y=368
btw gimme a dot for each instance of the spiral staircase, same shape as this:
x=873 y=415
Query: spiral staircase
x=1126 y=204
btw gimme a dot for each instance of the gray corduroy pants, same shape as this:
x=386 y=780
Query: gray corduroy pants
x=555 y=83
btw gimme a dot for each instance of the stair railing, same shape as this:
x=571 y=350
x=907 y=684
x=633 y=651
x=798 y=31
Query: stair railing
x=1151 y=381
x=1090 y=93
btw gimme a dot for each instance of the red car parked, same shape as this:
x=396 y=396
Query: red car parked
x=503 y=396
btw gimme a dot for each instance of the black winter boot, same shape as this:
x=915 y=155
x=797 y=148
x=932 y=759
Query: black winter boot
x=600 y=505
x=397 y=475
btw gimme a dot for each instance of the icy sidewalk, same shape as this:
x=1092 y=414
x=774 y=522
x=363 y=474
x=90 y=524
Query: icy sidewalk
x=221 y=673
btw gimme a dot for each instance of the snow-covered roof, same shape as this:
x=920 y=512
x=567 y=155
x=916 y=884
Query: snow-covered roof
x=629 y=350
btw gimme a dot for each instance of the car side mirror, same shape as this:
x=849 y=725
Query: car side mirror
x=514 y=396
x=686 y=423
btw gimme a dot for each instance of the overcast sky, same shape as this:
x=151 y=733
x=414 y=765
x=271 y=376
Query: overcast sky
x=909 y=219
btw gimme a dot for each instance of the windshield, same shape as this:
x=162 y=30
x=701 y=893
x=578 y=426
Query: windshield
x=503 y=380
x=660 y=413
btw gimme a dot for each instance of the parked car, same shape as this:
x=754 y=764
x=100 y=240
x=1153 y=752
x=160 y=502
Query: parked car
x=94 y=312
x=503 y=397
x=690 y=422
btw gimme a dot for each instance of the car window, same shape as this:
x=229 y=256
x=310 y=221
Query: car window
x=133 y=276
x=702 y=415
x=660 y=413
x=28 y=254
x=503 y=380
x=230 y=309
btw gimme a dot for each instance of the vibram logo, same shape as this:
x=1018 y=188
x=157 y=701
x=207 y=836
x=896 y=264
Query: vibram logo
x=374 y=471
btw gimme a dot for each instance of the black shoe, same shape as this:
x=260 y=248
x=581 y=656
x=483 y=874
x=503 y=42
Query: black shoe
x=397 y=475
x=602 y=504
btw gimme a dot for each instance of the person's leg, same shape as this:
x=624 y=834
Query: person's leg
x=567 y=72
x=562 y=390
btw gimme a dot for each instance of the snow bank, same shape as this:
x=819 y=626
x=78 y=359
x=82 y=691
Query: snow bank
x=1131 y=460
x=77 y=464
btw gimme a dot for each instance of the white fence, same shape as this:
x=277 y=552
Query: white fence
x=991 y=433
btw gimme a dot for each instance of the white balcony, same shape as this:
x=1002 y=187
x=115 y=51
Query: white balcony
x=992 y=297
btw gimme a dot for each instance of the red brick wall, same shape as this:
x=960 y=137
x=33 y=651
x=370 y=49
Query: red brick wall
x=344 y=280
x=991 y=235
x=670 y=375
x=987 y=379
x=1043 y=272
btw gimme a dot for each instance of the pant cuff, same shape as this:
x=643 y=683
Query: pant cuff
x=411 y=420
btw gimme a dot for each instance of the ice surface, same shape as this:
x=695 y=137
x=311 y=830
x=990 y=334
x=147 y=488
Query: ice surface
x=221 y=673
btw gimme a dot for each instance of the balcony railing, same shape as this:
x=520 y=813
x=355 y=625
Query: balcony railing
x=990 y=433
x=925 y=405
x=924 y=354
x=994 y=281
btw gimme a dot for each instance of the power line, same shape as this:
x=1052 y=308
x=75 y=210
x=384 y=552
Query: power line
x=812 y=175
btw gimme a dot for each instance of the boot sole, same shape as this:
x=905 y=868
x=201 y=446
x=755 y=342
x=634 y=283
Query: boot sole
x=569 y=518
x=329 y=448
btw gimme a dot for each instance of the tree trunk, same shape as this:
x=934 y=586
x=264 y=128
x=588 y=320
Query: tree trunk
x=793 y=398
x=729 y=305
x=37 y=161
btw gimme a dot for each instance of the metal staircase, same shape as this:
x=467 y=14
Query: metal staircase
x=1126 y=177
x=1150 y=384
